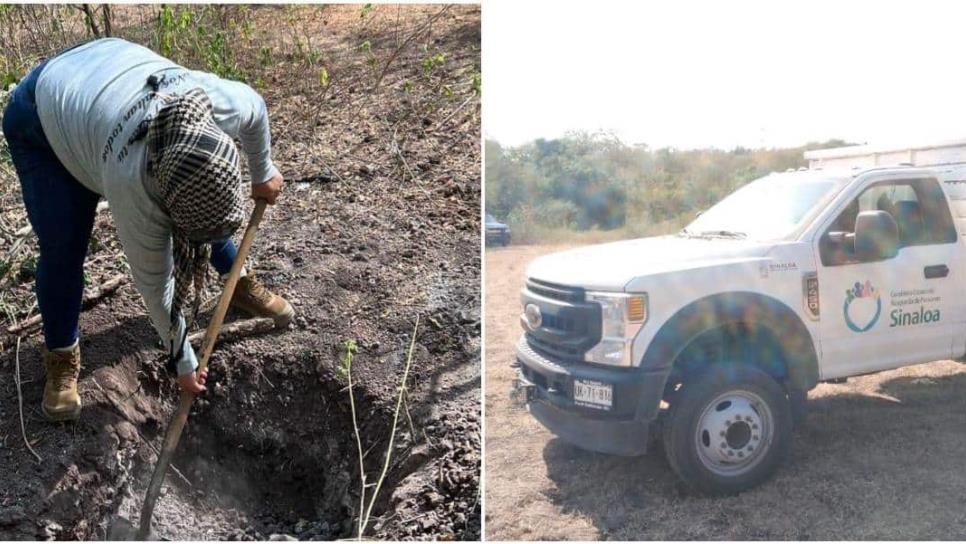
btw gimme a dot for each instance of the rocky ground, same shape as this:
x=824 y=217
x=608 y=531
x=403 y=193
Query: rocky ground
x=379 y=226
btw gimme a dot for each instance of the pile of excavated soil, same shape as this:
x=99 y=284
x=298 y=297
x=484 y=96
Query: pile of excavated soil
x=361 y=244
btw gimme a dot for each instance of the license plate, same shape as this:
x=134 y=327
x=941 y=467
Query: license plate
x=593 y=394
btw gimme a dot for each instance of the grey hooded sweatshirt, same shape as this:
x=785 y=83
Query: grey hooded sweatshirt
x=91 y=100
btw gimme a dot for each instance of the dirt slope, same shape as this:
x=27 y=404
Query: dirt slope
x=879 y=458
x=379 y=224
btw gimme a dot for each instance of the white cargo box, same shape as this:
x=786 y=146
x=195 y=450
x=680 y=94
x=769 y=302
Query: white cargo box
x=871 y=156
x=947 y=159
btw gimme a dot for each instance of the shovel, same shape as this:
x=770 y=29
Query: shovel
x=180 y=417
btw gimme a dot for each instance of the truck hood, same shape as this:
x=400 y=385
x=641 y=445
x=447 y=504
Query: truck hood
x=610 y=267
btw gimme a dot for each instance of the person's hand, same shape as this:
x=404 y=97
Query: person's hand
x=194 y=382
x=269 y=190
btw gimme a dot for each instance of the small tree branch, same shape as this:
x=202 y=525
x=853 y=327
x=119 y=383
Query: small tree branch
x=91 y=21
x=392 y=432
x=106 y=17
x=406 y=42
x=442 y=123
x=355 y=427
x=23 y=428
x=93 y=298
x=236 y=330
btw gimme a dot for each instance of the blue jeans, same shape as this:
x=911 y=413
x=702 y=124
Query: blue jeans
x=61 y=211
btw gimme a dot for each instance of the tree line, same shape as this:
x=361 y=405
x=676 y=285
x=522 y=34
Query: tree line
x=593 y=181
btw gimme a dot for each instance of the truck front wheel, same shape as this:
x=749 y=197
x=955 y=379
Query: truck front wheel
x=729 y=430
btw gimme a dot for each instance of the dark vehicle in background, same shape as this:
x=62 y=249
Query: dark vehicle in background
x=496 y=232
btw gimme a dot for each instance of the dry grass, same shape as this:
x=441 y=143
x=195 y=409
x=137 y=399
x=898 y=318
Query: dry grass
x=878 y=458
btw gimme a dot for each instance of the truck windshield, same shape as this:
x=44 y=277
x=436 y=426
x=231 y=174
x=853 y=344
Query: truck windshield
x=769 y=208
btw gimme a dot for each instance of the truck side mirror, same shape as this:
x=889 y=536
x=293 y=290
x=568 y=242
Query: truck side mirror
x=876 y=236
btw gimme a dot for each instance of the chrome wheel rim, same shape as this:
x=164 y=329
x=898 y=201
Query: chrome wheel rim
x=734 y=432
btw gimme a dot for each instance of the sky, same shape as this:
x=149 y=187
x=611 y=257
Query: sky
x=691 y=74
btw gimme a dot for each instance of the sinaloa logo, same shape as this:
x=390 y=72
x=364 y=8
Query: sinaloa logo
x=863 y=305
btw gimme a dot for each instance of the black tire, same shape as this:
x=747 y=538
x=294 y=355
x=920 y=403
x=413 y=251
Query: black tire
x=683 y=439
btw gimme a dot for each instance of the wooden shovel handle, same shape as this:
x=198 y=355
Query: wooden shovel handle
x=180 y=417
x=214 y=326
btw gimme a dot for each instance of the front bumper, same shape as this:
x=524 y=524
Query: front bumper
x=547 y=389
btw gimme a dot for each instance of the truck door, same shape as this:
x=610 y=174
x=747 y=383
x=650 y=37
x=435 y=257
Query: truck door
x=892 y=312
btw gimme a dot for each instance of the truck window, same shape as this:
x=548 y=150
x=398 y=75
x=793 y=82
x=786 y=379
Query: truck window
x=918 y=206
x=769 y=208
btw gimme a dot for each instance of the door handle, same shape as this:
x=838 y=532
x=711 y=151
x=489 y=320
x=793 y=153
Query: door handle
x=936 y=271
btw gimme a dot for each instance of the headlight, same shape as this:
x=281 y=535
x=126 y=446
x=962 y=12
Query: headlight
x=622 y=316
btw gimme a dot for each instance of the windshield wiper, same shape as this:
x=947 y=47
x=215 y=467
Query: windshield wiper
x=724 y=234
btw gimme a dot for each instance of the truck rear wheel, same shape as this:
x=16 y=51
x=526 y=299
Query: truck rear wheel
x=729 y=430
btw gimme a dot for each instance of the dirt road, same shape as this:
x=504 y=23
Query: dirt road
x=880 y=457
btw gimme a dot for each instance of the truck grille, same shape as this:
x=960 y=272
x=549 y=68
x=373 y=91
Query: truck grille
x=562 y=323
x=555 y=291
x=562 y=351
x=570 y=325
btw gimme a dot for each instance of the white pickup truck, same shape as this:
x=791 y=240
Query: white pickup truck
x=712 y=337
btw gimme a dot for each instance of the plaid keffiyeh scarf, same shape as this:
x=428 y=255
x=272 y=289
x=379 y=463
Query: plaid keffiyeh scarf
x=194 y=165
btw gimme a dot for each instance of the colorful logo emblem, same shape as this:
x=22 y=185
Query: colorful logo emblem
x=862 y=306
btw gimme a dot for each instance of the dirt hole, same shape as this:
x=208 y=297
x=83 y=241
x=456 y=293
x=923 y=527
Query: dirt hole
x=253 y=473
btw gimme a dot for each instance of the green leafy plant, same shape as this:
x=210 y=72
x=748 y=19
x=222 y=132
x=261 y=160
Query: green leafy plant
x=8 y=78
x=366 y=48
x=432 y=62
x=247 y=27
x=265 y=56
x=166 y=30
x=477 y=84
x=305 y=52
x=220 y=58
x=203 y=35
x=344 y=370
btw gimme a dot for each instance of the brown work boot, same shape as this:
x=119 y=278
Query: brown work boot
x=252 y=297
x=61 y=401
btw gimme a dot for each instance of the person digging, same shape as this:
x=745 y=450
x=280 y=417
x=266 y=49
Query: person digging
x=112 y=119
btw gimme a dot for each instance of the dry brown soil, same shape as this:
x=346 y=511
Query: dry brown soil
x=880 y=457
x=379 y=225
